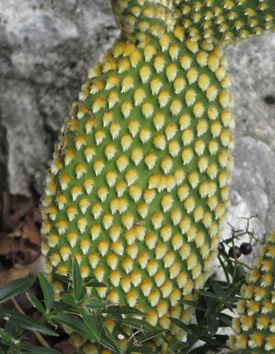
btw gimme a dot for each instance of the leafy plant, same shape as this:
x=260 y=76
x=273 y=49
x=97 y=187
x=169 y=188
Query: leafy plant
x=85 y=315
x=76 y=311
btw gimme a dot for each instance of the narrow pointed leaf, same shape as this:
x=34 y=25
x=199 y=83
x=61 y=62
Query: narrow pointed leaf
x=30 y=349
x=96 y=304
x=107 y=343
x=73 y=323
x=152 y=334
x=6 y=337
x=180 y=324
x=47 y=292
x=38 y=350
x=176 y=344
x=27 y=322
x=15 y=287
x=218 y=290
x=36 y=303
x=68 y=298
x=111 y=339
x=139 y=324
x=225 y=319
x=127 y=310
x=91 y=323
x=136 y=349
x=77 y=280
x=193 y=304
x=213 y=324
x=96 y=284
x=212 y=341
x=208 y=294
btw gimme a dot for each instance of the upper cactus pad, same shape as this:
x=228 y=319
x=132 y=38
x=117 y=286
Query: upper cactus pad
x=226 y=21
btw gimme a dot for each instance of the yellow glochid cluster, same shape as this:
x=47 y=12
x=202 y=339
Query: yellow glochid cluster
x=226 y=21
x=139 y=185
x=255 y=326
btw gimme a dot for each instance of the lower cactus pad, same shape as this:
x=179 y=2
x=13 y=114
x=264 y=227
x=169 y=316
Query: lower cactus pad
x=138 y=188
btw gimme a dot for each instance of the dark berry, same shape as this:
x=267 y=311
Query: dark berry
x=246 y=248
x=221 y=248
x=235 y=254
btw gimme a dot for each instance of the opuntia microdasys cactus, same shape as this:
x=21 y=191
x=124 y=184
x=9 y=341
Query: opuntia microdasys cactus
x=227 y=21
x=138 y=188
x=255 y=326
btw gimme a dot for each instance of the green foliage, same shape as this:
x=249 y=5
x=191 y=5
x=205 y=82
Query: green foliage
x=81 y=314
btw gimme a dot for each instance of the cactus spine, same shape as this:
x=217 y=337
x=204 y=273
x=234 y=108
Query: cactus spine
x=139 y=185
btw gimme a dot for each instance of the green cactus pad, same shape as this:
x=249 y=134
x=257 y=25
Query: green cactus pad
x=255 y=326
x=226 y=21
x=139 y=185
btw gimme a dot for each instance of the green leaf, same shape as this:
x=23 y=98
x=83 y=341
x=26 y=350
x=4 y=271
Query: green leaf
x=95 y=284
x=68 y=299
x=91 y=323
x=36 y=303
x=233 y=299
x=110 y=337
x=73 y=323
x=212 y=341
x=30 y=349
x=77 y=280
x=176 y=344
x=225 y=319
x=15 y=287
x=218 y=290
x=27 y=322
x=213 y=324
x=63 y=278
x=208 y=294
x=47 y=292
x=126 y=310
x=137 y=349
x=211 y=303
x=141 y=325
x=180 y=324
x=96 y=304
x=224 y=269
x=6 y=337
x=193 y=304
x=138 y=324
x=152 y=334
x=109 y=344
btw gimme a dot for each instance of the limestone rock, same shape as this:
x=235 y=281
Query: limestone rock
x=47 y=48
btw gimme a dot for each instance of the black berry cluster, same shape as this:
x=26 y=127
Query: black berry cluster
x=235 y=252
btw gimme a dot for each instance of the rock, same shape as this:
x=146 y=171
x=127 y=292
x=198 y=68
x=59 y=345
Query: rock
x=47 y=48
x=252 y=70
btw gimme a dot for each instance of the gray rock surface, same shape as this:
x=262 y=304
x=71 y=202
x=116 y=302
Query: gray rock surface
x=47 y=47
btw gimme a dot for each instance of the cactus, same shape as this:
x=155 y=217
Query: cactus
x=227 y=21
x=255 y=326
x=139 y=184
